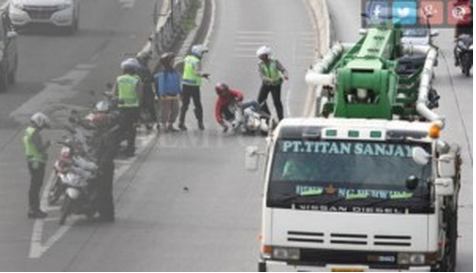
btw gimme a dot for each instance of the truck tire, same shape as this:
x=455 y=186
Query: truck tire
x=448 y=264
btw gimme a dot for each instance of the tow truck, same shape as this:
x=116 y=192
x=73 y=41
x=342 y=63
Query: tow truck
x=367 y=184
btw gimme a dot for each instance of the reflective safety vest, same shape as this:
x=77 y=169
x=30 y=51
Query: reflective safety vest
x=190 y=76
x=270 y=70
x=31 y=151
x=127 y=86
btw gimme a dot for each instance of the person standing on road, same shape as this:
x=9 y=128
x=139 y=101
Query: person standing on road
x=272 y=74
x=105 y=155
x=168 y=90
x=36 y=155
x=147 y=78
x=129 y=90
x=191 y=82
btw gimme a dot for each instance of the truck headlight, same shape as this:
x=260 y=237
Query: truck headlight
x=411 y=258
x=285 y=253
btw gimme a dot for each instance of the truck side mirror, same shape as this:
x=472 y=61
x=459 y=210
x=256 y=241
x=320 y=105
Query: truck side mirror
x=444 y=186
x=420 y=156
x=251 y=160
x=446 y=166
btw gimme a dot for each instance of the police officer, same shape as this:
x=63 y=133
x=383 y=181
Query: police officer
x=128 y=89
x=36 y=155
x=106 y=153
x=147 y=78
x=272 y=73
x=191 y=82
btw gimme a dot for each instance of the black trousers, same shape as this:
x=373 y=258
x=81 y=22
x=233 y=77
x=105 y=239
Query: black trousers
x=191 y=93
x=37 y=176
x=148 y=104
x=105 y=200
x=129 y=117
x=275 y=91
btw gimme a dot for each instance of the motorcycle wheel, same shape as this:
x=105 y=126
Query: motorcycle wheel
x=55 y=192
x=466 y=65
x=65 y=210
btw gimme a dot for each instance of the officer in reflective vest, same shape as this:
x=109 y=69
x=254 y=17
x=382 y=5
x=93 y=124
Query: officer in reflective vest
x=191 y=82
x=36 y=155
x=272 y=73
x=128 y=89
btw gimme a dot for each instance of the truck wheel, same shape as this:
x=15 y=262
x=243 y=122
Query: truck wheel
x=262 y=267
x=65 y=210
x=449 y=260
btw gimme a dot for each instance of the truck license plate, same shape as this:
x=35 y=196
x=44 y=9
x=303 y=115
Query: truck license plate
x=347 y=270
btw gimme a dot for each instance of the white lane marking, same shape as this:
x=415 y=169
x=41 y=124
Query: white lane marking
x=212 y=23
x=287 y=102
x=127 y=4
x=37 y=247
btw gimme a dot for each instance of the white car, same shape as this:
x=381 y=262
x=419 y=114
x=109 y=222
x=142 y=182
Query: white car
x=61 y=13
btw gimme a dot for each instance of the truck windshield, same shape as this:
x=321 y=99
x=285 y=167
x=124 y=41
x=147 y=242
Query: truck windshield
x=338 y=174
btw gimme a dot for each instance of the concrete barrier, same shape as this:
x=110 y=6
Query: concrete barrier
x=169 y=18
x=322 y=22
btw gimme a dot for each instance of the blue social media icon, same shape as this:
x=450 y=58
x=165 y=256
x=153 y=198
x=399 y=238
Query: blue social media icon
x=377 y=11
x=405 y=12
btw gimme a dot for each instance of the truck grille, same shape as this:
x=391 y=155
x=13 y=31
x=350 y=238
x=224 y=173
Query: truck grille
x=390 y=240
x=348 y=239
x=40 y=12
x=305 y=237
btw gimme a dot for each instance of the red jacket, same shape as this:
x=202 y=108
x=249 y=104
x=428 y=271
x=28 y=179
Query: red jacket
x=224 y=101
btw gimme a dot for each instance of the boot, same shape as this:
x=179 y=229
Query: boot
x=182 y=127
x=201 y=126
x=36 y=214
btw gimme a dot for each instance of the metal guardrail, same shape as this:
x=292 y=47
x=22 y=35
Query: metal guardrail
x=169 y=24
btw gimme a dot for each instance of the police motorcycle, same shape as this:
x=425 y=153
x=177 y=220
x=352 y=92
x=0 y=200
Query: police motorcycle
x=464 y=53
x=78 y=186
x=247 y=118
x=72 y=155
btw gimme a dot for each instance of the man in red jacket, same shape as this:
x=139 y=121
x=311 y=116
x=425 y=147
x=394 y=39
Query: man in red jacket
x=226 y=96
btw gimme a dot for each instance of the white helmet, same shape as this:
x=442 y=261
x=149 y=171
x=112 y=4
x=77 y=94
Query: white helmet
x=130 y=64
x=264 y=50
x=40 y=120
x=199 y=50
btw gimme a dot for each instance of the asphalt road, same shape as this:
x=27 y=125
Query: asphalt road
x=186 y=204
x=55 y=73
x=189 y=205
x=456 y=105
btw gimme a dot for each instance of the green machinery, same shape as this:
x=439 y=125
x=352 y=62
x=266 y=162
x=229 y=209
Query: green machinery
x=376 y=78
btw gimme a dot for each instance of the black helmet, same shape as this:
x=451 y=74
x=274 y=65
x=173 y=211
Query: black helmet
x=222 y=89
x=166 y=58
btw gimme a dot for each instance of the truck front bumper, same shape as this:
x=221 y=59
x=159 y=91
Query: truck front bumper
x=275 y=266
